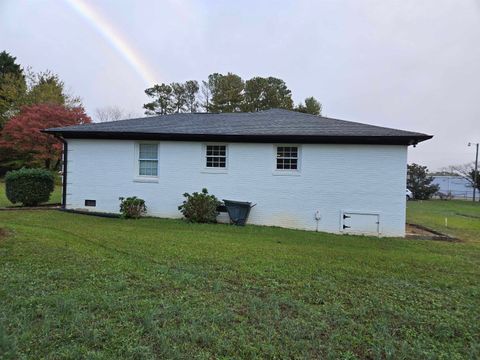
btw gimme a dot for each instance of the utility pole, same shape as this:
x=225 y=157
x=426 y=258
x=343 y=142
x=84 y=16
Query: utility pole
x=475 y=174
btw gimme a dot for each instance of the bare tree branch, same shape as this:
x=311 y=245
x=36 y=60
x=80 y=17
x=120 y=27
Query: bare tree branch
x=465 y=171
x=112 y=113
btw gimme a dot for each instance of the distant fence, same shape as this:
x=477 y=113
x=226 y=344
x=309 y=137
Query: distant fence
x=465 y=195
x=453 y=187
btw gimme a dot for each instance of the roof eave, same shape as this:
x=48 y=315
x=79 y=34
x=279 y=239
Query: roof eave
x=312 y=139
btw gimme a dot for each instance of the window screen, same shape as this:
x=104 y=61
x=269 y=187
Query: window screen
x=287 y=158
x=216 y=156
x=148 y=160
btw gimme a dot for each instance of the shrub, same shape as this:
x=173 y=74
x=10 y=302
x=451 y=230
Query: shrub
x=132 y=207
x=420 y=182
x=29 y=187
x=445 y=196
x=200 y=207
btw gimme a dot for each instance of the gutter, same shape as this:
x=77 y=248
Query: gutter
x=64 y=170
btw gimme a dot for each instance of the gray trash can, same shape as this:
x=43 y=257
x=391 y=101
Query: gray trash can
x=238 y=211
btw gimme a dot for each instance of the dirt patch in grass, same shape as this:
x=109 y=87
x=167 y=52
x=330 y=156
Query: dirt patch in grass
x=3 y=234
x=38 y=207
x=468 y=215
x=420 y=232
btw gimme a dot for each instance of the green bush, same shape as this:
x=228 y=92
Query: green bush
x=419 y=181
x=132 y=207
x=29 y=187
x=200 y=207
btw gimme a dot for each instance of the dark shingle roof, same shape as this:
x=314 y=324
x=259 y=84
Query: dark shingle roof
x=275 y=125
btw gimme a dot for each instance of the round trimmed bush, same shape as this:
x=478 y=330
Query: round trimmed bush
x=29 y=187
x=132 y=207
x=200 y=207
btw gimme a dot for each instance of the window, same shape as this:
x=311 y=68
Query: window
x=148 y=160
x=216 y=156
x=287 y=158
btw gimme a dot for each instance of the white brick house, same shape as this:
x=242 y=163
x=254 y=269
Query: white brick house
x=302 y=171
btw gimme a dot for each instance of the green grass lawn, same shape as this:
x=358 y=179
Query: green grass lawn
x=55 y=198
x=463 y=217
x=76 y=286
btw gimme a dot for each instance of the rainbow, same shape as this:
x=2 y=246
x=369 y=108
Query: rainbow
x=115 y=39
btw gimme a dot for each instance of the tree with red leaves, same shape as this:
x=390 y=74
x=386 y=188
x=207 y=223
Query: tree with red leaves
x=24 y=143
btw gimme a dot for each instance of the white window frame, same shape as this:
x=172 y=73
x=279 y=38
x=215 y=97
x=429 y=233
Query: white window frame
x=287 y=172
x=214 y=170
x=145 y=178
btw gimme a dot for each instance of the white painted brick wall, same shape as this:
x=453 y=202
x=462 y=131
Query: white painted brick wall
x=333 y=178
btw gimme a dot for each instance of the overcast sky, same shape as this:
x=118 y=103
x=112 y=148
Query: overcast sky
x=406 y=64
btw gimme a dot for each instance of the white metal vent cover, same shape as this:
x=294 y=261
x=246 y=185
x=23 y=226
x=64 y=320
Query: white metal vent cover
x=359 y=222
